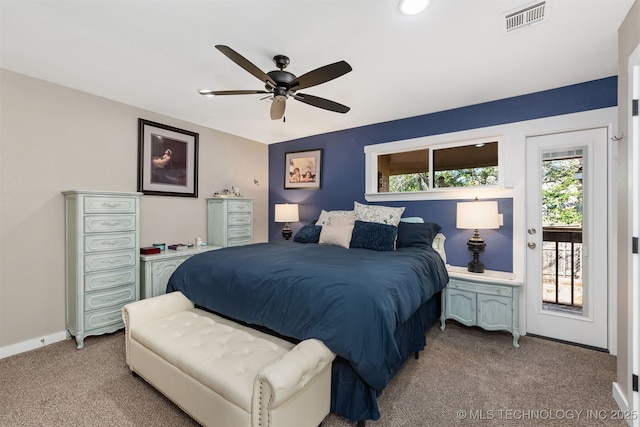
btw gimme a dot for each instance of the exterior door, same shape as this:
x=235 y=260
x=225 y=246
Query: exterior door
x=634 y=316
x=566 y=181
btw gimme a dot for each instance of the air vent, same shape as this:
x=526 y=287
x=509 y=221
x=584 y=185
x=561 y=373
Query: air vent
x=558 y=155
x=525 y=16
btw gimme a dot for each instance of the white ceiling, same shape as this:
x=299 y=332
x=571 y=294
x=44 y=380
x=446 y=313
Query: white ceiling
x=156 y=54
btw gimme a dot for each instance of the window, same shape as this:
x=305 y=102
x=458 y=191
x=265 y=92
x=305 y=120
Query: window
x=414 y=167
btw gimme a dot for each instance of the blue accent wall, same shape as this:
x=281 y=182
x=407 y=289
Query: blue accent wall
x=343 y=163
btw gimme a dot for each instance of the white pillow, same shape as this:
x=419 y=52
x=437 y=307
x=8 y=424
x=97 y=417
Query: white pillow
x=336 y=235
x=326 y=216
x=379 y=214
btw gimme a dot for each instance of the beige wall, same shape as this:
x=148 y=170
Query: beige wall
x=52 y=139
x=628 y=41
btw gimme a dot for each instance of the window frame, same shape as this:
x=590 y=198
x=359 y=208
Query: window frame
x=372 y=152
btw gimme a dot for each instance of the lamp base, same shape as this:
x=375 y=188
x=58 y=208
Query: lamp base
x=475 y=267
x=287 y=233
x=476 y=245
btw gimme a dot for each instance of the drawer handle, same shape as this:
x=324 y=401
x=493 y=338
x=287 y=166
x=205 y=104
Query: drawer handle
x=115 y=242
x=110 y=204
x=113 y=298
x=499 y=291
x=110 y=223
x=108 y=317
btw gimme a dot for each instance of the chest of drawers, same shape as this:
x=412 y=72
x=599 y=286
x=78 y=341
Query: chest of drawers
x=229 y=221
x=102 y=261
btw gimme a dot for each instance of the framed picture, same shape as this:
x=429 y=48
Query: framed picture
x=303 y=169
x=167 y=160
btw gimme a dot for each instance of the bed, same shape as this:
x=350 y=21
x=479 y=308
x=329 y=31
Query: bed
x=371 y=307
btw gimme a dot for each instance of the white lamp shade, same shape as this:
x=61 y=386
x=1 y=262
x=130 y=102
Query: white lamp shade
x=287 y=212
x=477 y=215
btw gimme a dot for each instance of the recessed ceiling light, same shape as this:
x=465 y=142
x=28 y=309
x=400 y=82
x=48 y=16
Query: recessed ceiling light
x=413 y=7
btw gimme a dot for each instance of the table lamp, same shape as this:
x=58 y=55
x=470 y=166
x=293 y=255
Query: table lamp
x=286 y=212
x=477 y=215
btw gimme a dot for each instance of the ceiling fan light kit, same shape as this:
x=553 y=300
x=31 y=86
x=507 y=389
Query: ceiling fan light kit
x=281 y=84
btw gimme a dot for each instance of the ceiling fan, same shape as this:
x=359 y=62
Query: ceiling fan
x=281 y=84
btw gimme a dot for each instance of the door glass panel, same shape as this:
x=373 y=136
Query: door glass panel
x=562 y=223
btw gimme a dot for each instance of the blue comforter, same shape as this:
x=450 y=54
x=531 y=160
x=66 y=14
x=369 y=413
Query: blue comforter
x=351 y=299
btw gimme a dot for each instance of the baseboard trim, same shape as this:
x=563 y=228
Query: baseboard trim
x=32 y=344
x=619 y=396
x=621 y=400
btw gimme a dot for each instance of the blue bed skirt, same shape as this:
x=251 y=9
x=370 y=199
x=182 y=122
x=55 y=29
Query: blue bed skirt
x=346 y=384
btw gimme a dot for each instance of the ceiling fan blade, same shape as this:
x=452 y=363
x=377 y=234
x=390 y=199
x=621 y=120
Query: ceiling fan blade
x=207 y=92
x=277 y=108
x=320 y=75
x=326 y=104
x=246 y=64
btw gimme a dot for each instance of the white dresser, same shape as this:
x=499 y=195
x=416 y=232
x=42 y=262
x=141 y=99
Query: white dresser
x=229 y=221
x=488 y=300
x=155 y=269
x=102 y=259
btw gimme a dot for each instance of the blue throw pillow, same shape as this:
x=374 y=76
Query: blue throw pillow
x=415 y=234
x=308 y=234
x=373 y=235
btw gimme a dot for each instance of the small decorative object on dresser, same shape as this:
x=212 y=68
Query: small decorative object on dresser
x=229 y=221
x=156 y=269
x=489 y=300
x=101 y=249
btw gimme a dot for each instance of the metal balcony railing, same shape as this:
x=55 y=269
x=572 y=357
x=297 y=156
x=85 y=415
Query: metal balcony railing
x=562 y=266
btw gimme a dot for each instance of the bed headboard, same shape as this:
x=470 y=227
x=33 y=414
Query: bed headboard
x=438 y=245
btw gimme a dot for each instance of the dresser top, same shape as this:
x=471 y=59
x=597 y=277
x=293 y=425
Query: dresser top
x=101 y=193
x=488 y=275
x=170 y=253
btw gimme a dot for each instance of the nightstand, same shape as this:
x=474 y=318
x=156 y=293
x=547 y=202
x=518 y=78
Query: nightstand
x=156 y=269
x=488 y=300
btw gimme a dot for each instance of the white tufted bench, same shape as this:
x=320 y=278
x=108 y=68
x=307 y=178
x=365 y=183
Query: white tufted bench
x=222 y=373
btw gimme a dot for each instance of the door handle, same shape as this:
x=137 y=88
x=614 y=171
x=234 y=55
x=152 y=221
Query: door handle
x=531 y=245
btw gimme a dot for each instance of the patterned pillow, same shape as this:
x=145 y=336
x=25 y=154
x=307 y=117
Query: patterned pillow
x=336 y=235
x=380 y=214
x=326 y=216
x=308 y=234
x=373 y=235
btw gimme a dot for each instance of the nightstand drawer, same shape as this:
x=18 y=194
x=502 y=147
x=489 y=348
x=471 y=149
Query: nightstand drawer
x=101 y=224
x=481 y=287
x=109 y=205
